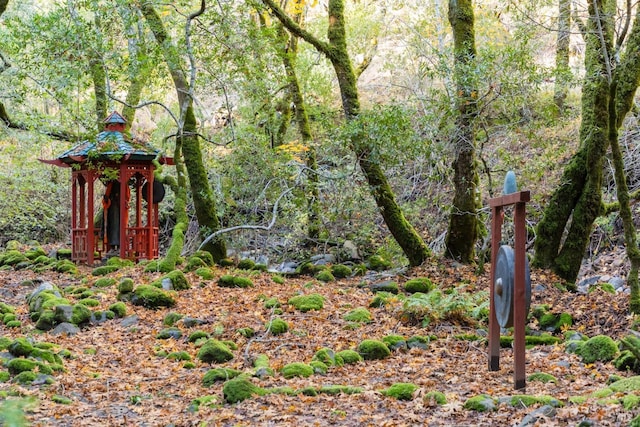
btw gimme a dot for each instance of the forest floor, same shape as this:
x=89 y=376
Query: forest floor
x=116 y=378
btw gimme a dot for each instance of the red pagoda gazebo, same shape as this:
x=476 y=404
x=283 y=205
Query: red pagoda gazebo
x=126 y=171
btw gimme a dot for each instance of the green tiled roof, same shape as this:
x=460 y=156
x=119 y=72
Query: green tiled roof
x=109 y=144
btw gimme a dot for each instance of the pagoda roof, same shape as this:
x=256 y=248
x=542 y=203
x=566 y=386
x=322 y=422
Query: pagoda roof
x=109 y=146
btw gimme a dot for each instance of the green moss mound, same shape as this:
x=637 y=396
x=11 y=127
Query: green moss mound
x=239 y=389
x=325 y=276
x=246 y=264
x=395 y=342
x=306 y=303
x=328 y=357
x=436 y=397
x=168 y=333
x=171 y=318
x=349 y=356
x=358 y=315
x=277 y=326
x=380 y=299
x=152 y=297
x=339 y=389
x=17 y=365
x=271 y=303
x=205 y=273
x=599 y=348
x=65 y=266
x=419 y=341
x=378 y=263
x=229 y=281
x=214 y=351
x=20 y=347
x=6 y=308
x=197 y=335
x=401 y=391
x=89 y=302
x=525 y=401
x=319 y=367
x=119 y=309
x=126 y=285
x=542 y=377
x=481 y=403
x=120 y=262
x=423 y=285
x=296 y=369
x=246 y=332
x=175 y=280
x=373 y=350
x=219 y=374
x=104 y=270
x=341 y=271
x=179 y=355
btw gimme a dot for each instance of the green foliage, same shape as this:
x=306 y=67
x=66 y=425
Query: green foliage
x=525 y=401
x=179 y=355
x=306 y=303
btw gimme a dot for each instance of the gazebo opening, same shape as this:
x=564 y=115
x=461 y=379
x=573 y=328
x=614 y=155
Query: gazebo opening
x=114 y=198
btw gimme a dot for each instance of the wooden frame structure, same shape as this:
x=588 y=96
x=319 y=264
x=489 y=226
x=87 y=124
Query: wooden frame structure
x=519 y=199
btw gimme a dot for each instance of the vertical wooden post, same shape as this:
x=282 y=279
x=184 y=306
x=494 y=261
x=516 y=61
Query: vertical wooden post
x=518 y=199
x=494 y=328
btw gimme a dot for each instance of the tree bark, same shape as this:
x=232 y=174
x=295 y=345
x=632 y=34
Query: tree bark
x=578 y=199
x=463 y=221
x=336 y=51
x=561 y=86
x=203 y=199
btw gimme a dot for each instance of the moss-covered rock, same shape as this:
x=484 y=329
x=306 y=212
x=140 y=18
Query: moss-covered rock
x=296 y=369
x=378 y=263
x=599 y=348
x=214 y=351
x=89 y=302
x=306 y=303
x=239 y=389
x=126 y=285
x=152 y=297
x=319 y=367
x=19 y=364
x=277 y=326
x=26 y=377
x=381 y=299
x=270 y=303
x=358 y=315
x=20 y=347
x=6 y=308
x=174 y=280
x=436 y=397
x=373 y=350
x=422 y=284
x=325 y=276
x=349 y=356
x=339 y=389
x=81 y=315
x=46 y=320
x=219 y=374
x=198 y=335
x=171 y=318
x=419 y=341
x=401 y=391
x=194 y=263
x=309 y=269
x=542 y=377
x=388 y=286
x=105 y=282
x=104 y=270
x=481 y=403
x=341 y=271
x=626 y=385
x=229 y=281
x=328 y=357
x=205 y=273
x=179 y=355
x=14 y=324
x=12 y=257
x=246 y=332
x=395 y=342
x=169 y=333
x=525 y=401
x=119 y=309
x=4 y=376
x=246 y=264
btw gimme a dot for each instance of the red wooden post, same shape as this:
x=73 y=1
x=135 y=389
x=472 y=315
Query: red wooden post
x=519 y=199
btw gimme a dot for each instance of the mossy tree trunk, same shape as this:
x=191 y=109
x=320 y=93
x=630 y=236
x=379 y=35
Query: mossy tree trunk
x=335 y=50
x=606 y=99
x=463 y=221
x=625 y=83
x=304 y=128
x=203 y=198
x=563 y=72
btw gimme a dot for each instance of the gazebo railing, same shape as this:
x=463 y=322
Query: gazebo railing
x=141 y=243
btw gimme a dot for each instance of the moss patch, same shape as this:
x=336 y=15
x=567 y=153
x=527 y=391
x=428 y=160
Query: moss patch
x=598 y=348
x=373 y=350
x=306 y=303
x=401 y=391
x=296 y=369
x=277 y=326
x=481 y=403
x=239 y=389
x=214 y=351
x=152 y=297
x=229 y=281
x=219 y=374
x=423 y=285
x=349 y=356
x=358 y=315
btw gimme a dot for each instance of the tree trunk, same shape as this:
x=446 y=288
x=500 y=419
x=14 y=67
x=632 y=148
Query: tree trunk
x=606 y=99
x=561 y=86
x=3 y=6
x=304 y=128
x=203 y=199
x=463 y=222
x=336 y=51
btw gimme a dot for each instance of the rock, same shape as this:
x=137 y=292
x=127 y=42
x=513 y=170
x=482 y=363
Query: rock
x=385 y=286
x=189 y=322
x=287 y=267
x=588 y=281
x=604 y=279
x=617 y=283
x=65 y=328
x=351 y=249
x=323 y=259
x=129 y=321
x=540 y=414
